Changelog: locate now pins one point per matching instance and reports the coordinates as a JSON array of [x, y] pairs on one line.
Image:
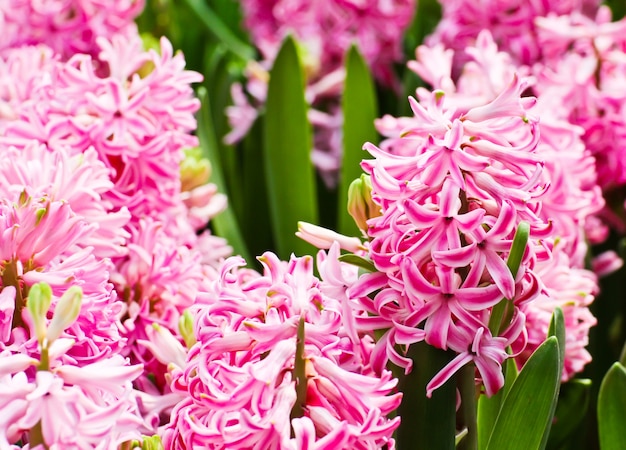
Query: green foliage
[[359, 106], [220, 30], [225, 224], [528, 408], [489, 407], [358, 261], [429, 422], [612, 409], [570, 412], [287, 145]]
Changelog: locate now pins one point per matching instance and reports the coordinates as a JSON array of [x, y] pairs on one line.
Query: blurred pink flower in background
[[324, 30], [66, 26], [511, 22]]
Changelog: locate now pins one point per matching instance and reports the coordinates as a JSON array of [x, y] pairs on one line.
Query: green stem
[[427, 423], [10, 277], [44, 360], [467, 388], [299, 370], [35, 436]]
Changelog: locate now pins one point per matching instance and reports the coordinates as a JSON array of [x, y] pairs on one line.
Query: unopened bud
[[66, 311], [185, 326], [322, 237], [360, 204], [195, 170], [38, 304], [151, 443]]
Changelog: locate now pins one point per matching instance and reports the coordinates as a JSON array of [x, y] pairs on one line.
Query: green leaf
[[359, 261], [427, 16], [556, 329], [612, 409], [570, 411], [253, 209], [360, 109], [527, 410], [427, 423], [225, 224], [489, 407], [215, 26], [287, 146]]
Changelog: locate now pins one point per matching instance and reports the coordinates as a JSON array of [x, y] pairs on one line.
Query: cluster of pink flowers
[[325, 30], [582, 72], [575, 52], [278, 364], [453, 183], [103, 208], [511, 22], [122, 315], [66, 26]]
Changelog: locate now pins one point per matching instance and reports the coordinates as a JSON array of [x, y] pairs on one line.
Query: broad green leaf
[[527, 410], [254, 209], [287, 146], [358, 261], [467, 414], [225, 224], [360, 109], [612, 409], [427, 423], [218, 81], [215, 26], [489, 407], [556, 329], [570, 411], [427, 16]]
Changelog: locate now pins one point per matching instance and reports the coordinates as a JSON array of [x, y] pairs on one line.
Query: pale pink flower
[[572, 289], [322, 237], [138, 125], [239, 381], [81, 180]]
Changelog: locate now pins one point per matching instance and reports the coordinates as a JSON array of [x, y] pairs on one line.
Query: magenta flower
[[453, 185]]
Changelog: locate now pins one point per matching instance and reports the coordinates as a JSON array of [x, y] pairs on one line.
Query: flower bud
[[195, 170], [38, 304], [65, 312], [360, 204], [185, 326], [322, 237], [151, 443]]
